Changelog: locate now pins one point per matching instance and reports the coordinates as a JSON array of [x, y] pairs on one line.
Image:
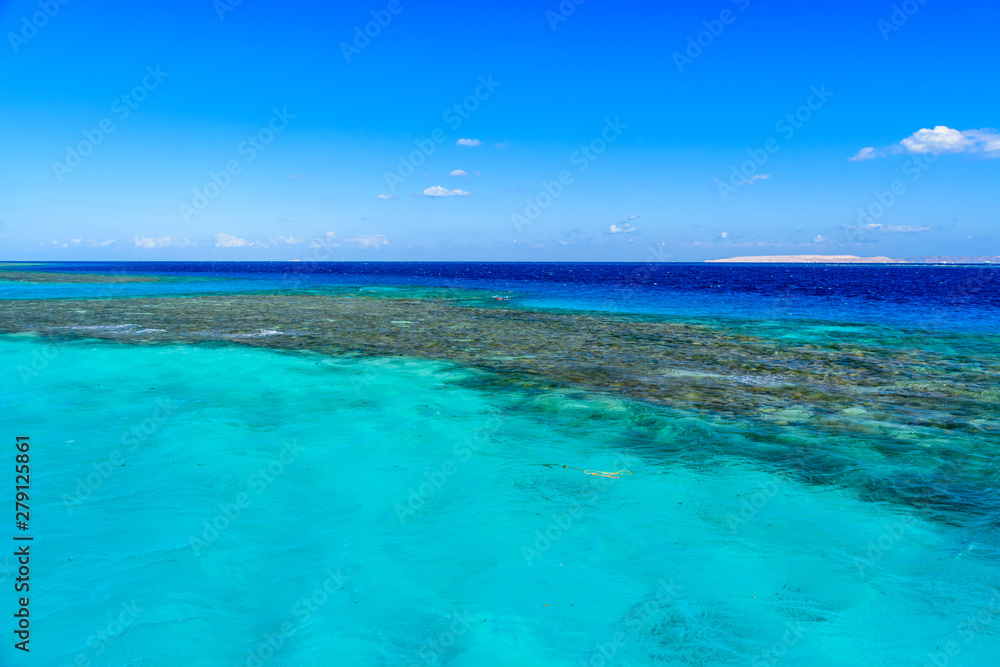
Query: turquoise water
[[220, 505]]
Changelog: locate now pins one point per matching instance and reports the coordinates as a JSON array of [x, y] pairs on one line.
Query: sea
[[809, 476]]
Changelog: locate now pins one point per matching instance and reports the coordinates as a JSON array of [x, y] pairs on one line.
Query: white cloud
[[361, 241], [385, 197], [327, 241], [902, 229], [461, 173], [942, 139], [107, 242], [633, 217], [820, 239], [892, 229], [625, 228], [75, 241], [438, 191], [724, 235], [368, 241], [987, 139], [147, 242], [756, 177], [230, 241], [469, 142], [866, 153]]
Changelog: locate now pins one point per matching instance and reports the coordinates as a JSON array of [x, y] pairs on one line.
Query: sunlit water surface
[[219, 505]]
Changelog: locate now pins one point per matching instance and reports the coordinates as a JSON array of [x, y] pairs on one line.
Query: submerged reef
[[916, 400], [720, 368], [55, 277]]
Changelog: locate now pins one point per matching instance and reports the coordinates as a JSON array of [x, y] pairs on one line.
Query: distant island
[[811, 259], [854, 259]]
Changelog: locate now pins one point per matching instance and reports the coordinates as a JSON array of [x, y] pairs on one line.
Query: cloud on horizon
[[438, 191], [163, 241], [942, 139], [469, 142], [624, 228], [367, 241], [230, 241], [893, 229]]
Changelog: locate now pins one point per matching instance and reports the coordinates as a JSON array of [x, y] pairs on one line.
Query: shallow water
[[446, 510], [255, 501]]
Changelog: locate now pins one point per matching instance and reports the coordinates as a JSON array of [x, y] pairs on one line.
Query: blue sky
[[534, 130]]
